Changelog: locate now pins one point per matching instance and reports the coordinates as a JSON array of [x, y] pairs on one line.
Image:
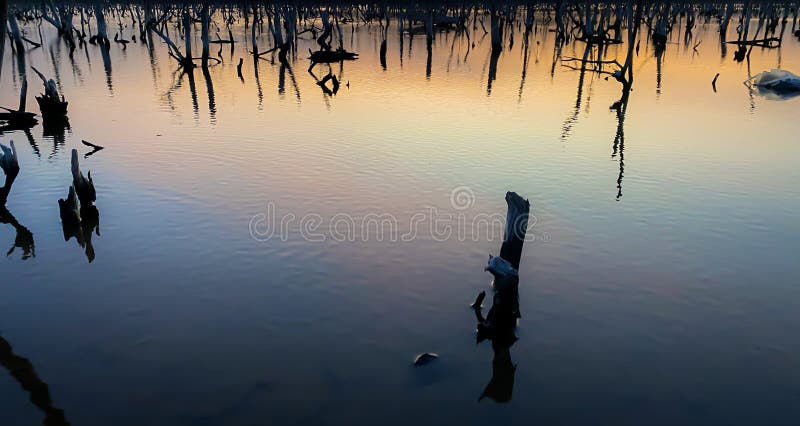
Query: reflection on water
[[671, 302], [21, 369], [23, 239]]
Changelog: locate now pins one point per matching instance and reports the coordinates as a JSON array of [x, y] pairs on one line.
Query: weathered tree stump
[[51, 104], [500, 323], [9, 163], [84, 187], [19, 119]]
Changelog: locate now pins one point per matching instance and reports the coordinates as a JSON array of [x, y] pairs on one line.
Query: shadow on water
[[22, 370]]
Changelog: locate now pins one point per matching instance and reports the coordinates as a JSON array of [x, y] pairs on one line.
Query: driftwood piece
[[425, 358]]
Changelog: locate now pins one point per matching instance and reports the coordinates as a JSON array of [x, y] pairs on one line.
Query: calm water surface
[[668, 296]]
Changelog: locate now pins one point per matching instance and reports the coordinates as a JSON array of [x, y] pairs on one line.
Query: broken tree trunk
[[51, 104], [10, 165], [516, 228], [500, 323], [502, 317], [84, 187]]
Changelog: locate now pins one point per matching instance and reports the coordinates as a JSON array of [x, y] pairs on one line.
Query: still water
[[660, 285]]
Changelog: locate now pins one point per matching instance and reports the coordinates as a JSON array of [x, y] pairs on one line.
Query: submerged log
[[331, 56], [769, 42]]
